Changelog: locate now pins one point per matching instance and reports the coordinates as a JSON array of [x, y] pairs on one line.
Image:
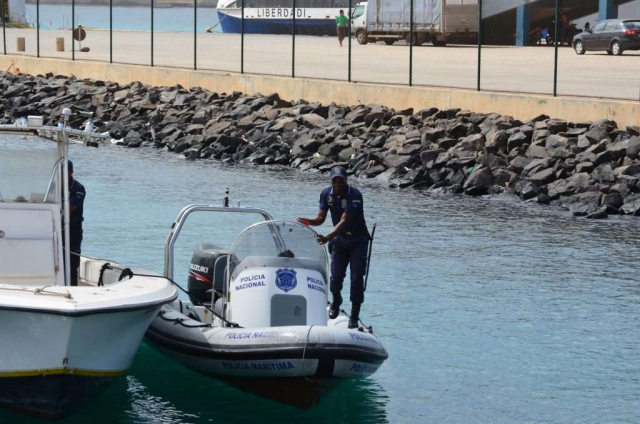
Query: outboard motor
[[206, 272]]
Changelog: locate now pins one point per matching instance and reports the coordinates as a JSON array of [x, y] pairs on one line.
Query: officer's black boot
[[355, 315], [334, 310]]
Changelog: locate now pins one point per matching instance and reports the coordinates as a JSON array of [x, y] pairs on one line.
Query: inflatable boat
[[257, 315]]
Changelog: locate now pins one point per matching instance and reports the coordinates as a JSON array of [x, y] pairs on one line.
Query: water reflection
[[162, 391]]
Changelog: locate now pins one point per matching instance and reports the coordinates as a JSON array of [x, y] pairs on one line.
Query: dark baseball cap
[[338, 171], [70, 165]]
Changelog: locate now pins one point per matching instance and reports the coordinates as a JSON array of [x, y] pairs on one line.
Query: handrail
[[176, 227]]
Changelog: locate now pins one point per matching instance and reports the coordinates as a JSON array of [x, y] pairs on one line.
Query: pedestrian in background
[[341, 24]]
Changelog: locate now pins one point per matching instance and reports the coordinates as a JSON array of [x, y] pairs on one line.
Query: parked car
[[613, 36]]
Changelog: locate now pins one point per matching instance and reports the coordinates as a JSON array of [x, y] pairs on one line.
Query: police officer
[[349, 240], [77, 194]]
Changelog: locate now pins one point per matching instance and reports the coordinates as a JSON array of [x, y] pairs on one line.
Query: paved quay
[[510, 69]]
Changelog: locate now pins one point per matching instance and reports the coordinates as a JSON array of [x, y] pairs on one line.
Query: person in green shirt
[[341, 23]]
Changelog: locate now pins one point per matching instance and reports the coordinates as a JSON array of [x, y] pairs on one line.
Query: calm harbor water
[[492, 310], [176, 19]]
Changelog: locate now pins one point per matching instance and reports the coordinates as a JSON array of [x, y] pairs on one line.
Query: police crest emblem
[[343, 202], [330, 200], [286, 279]]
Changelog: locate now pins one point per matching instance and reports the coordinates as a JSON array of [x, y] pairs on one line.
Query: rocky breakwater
[[592, 169]]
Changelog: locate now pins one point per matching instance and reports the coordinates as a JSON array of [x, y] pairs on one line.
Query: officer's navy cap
[[70, 165], [338, 171]]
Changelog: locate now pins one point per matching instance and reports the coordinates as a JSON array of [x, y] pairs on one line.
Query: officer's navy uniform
[[77, 194], [350, 247]]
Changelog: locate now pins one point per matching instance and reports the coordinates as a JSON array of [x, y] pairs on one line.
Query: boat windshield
[[278, 239], [26, 168]]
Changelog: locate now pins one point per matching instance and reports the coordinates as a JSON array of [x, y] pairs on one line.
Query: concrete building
[[509, 22], [15, 11]]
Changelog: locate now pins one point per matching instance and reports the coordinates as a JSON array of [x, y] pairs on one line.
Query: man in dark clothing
[[349, 240], [77, 194]]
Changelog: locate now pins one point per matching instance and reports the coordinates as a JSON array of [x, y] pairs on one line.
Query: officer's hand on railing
[[322, 239], [304, 221]]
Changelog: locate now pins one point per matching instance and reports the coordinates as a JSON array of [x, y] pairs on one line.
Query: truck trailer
[[437, 21]]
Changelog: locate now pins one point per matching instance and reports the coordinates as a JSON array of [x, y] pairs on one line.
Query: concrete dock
[[504, 69]]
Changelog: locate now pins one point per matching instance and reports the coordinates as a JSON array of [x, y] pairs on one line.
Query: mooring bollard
[[20, 44], [60, 44]]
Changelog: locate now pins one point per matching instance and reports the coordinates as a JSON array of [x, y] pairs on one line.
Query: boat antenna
[[225, 199], [64, 139]]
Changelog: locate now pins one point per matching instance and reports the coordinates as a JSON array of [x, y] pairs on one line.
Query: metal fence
[[523, 49]]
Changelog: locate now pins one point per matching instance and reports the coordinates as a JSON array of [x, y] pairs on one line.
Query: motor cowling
[[202, 272]]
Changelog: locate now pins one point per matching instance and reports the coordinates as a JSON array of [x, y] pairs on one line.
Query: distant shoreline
[[128, 3]]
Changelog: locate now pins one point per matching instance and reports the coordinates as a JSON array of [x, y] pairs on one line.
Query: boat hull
[[270, 362], [50, 396], [231, 24], [53, 364]]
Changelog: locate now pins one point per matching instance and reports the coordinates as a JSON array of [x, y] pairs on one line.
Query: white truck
[[437, 21]]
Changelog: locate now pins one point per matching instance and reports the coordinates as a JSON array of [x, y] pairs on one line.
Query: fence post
[[152, 33], [349, 32], [73, 24], [411, 44], [4, 29], [480, 29], [293, 46], [195, 34], [110, 31], [38, 28], [555, 62], [242, 39]]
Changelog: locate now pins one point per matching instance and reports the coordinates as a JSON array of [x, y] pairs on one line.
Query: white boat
[[257, 316], [313, 17], [61, 344]]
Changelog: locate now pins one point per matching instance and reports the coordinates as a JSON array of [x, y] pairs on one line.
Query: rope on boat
[[40, 290], [229, 323], [369, 328]]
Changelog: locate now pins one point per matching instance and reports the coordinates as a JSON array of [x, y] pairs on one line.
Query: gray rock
[[555, 141], [618, 149], [603, 173], [427, 156], [633, 147], [601, 213], [632, 170], [557, 125], [312, 119], [397, 161], [517, 140], [503, 176], [543, 177], [519, 163], [529, 191], [447, 143], [471, 143], [613, 201], [537, 152], [583, 204], [585, 167], [498, 141], [478, 182], [596, 134], [604, 157], [357, 115], [631, 205], [567, 186]]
